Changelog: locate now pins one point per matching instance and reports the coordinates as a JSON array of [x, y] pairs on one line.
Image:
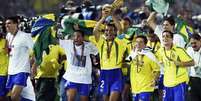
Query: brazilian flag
[[134, 31], [183, 29], [42, 31], [85, 25]]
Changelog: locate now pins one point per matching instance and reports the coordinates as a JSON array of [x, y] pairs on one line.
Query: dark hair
[[151, 31], [80, 31], [171, 34], [1, 35], [195, 36], [14, 19], [143, 37], [170, 19], [111, 25]]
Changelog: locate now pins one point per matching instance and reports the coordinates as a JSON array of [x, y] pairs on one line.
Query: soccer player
[[3, 67], [78, 74], [111, 51], [19, 46], [154, 44], [126, 23], [153, 41], [144, 70], [175, 61], [47, 72]]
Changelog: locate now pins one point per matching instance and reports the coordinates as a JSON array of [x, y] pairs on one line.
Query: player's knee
[[71, 98], [15, 97]]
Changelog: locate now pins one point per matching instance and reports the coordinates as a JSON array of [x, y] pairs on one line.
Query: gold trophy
[[110, 7], [117, 4]]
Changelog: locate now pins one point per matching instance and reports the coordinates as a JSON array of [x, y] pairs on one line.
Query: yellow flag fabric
[[50, 16]]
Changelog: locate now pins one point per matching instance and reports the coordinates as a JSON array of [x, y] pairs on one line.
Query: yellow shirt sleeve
[[183, 55]]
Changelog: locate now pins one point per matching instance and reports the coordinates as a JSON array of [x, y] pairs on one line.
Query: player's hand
[[33, 71], [106, 11]]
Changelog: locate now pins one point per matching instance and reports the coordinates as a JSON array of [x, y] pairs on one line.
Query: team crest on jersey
[[173, 56]]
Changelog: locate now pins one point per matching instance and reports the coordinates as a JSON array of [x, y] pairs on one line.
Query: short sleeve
[[29, 41], [93, 49], [183, 55], [155, 66]]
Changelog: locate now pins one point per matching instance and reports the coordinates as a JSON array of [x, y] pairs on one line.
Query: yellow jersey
[[155, 46], [142, 74], [50, 66], [126, 66], [3, 58], [174, 75], [114, 58]]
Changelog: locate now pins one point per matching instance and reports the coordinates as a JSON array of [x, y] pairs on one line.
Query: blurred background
[[36, 7], [29, 10]]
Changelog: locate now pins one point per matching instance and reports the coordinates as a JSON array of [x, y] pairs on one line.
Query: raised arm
[[97, 28], [106, 11], [151, 20], [117, 23]]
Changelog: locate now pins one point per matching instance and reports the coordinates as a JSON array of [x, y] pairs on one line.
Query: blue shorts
[[110, 80], [144, 96], [3, 90], [17, 79], [82, 89], [177, 93]]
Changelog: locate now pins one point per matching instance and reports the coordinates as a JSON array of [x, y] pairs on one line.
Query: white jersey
[[78, 71], [195, 71], [19, 46], [178, 40]]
